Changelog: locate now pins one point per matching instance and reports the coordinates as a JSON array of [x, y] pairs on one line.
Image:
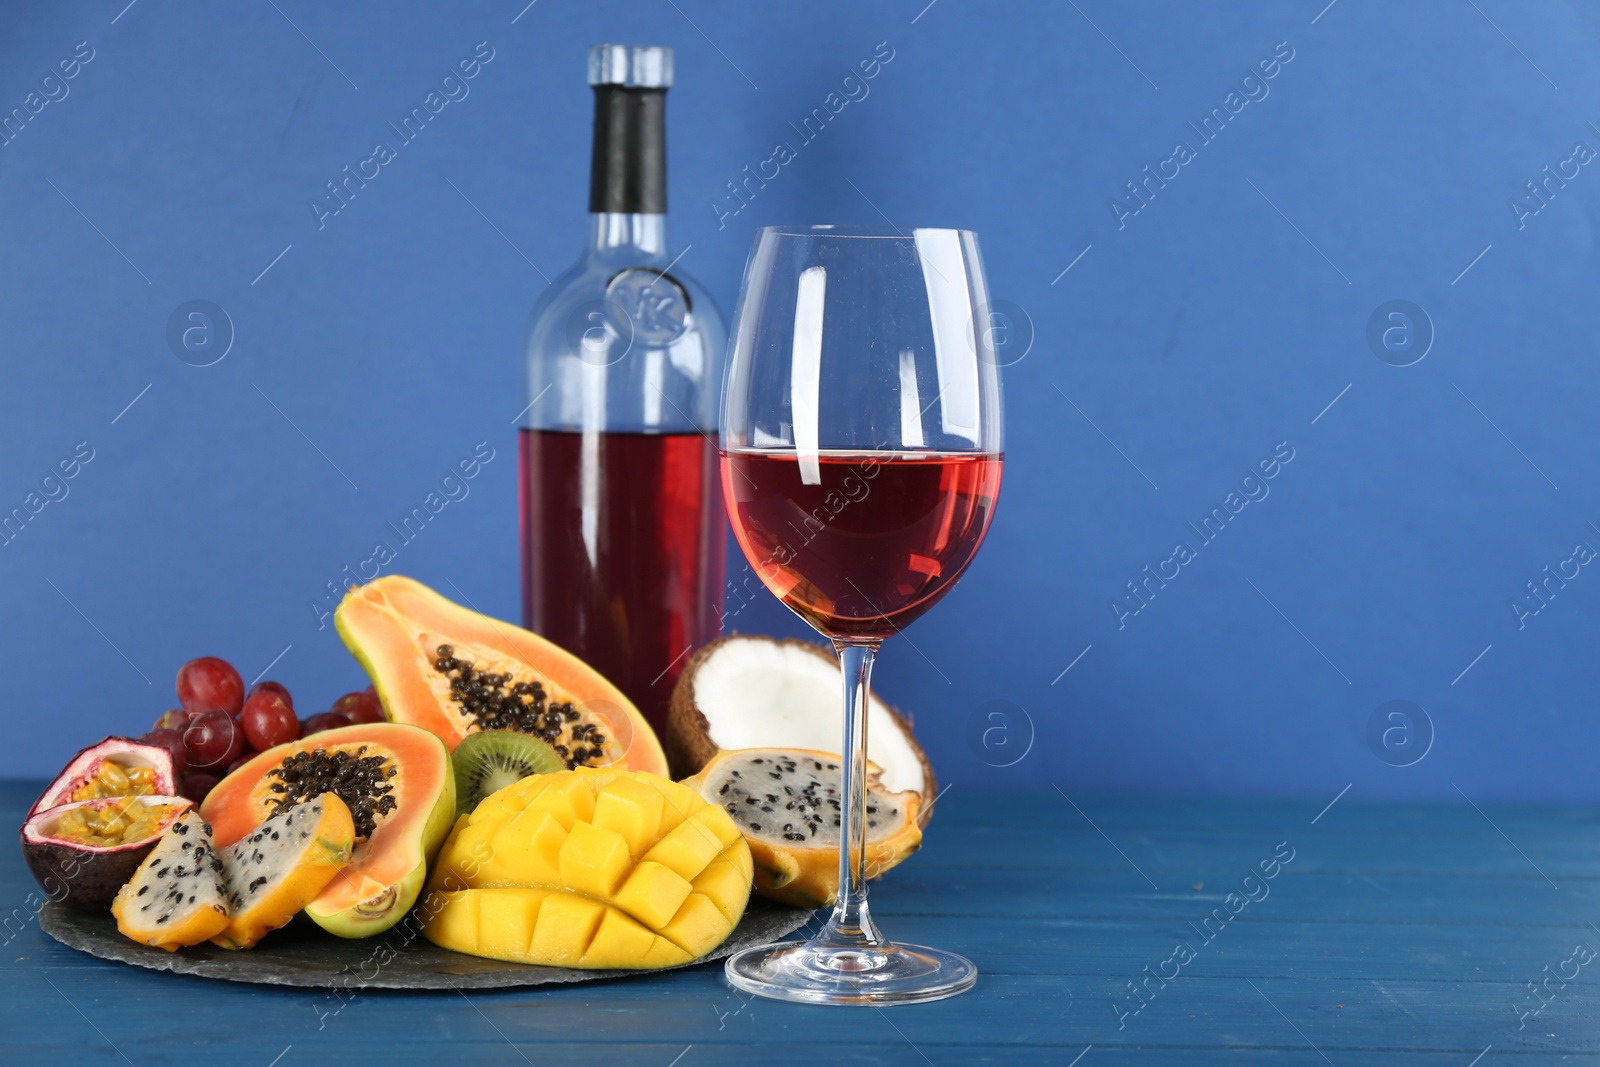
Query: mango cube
[[567, 923], [654, 894], [689, 847], [632, 809], [594, 860]]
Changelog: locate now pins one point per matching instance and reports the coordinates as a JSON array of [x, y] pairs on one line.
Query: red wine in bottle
[[640, 584]]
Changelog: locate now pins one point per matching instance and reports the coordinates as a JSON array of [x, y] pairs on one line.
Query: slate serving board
[[302, 954]]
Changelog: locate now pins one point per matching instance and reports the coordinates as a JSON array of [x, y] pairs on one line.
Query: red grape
[[271, 687], [359, 707], [241, 761], [196, 784], [268, 720], [210, 684], [172, 720], [213, 740], [172, 741], [327, 720]]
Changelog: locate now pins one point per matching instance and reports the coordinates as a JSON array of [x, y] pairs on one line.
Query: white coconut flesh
[[757, 693]]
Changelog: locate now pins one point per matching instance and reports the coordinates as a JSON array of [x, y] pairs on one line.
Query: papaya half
[[399, 785], [440, 666]]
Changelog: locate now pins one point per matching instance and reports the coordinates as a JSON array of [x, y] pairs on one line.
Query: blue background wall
[[1181, 347]]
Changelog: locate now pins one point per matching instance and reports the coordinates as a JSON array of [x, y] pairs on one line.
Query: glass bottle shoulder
[[624, 340]]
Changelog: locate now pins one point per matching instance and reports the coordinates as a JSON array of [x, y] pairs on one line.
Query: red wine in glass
[[623, 552], [872, 543]]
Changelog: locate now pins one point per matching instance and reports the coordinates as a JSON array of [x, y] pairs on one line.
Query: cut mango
[[590, 868], [631, 809]]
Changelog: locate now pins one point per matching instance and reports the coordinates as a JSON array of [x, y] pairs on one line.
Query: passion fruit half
[[82, 853], [114, 767]]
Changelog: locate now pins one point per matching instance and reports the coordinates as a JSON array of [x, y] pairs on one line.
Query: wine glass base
[[808, 973]]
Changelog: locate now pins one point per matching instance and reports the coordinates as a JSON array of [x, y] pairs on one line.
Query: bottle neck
[[645, 235], [628, 169]]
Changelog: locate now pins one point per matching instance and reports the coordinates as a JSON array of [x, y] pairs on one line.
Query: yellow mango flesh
[[590, 868]]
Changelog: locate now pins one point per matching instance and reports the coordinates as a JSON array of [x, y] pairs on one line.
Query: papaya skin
[[390, 905]]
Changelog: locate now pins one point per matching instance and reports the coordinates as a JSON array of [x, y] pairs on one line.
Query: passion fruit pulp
[[115, 821], [113, 767]]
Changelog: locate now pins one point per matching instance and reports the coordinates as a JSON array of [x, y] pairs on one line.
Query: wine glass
[[861, 458]]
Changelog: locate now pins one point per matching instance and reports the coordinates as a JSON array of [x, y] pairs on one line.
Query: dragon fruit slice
[[177, 896], [280, 867]]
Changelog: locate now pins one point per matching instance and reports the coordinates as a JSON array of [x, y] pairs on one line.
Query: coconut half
[[757, 692]]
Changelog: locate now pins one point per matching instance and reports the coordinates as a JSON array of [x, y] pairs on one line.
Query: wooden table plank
[[1433, 899], [1370, 849], [1351, 812], [1397, 934]]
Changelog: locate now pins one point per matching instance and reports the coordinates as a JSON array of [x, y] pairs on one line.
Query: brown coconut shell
[[688, 740]]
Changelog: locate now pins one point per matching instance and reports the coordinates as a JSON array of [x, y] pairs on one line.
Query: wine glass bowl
[[861, 460]]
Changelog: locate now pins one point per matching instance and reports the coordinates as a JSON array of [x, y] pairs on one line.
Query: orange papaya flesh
[[445, 668]]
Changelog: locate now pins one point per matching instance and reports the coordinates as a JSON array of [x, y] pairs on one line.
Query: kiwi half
[[489, 760]]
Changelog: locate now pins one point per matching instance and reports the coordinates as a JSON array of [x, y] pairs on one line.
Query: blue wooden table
[[1108, 931]]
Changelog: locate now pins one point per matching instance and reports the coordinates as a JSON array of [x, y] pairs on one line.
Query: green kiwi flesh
[[489, 760]]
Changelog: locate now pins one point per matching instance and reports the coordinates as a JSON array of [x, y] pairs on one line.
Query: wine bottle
[[623, 530]]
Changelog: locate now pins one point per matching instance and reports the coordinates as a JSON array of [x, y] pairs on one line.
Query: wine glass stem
[[850, 925]]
